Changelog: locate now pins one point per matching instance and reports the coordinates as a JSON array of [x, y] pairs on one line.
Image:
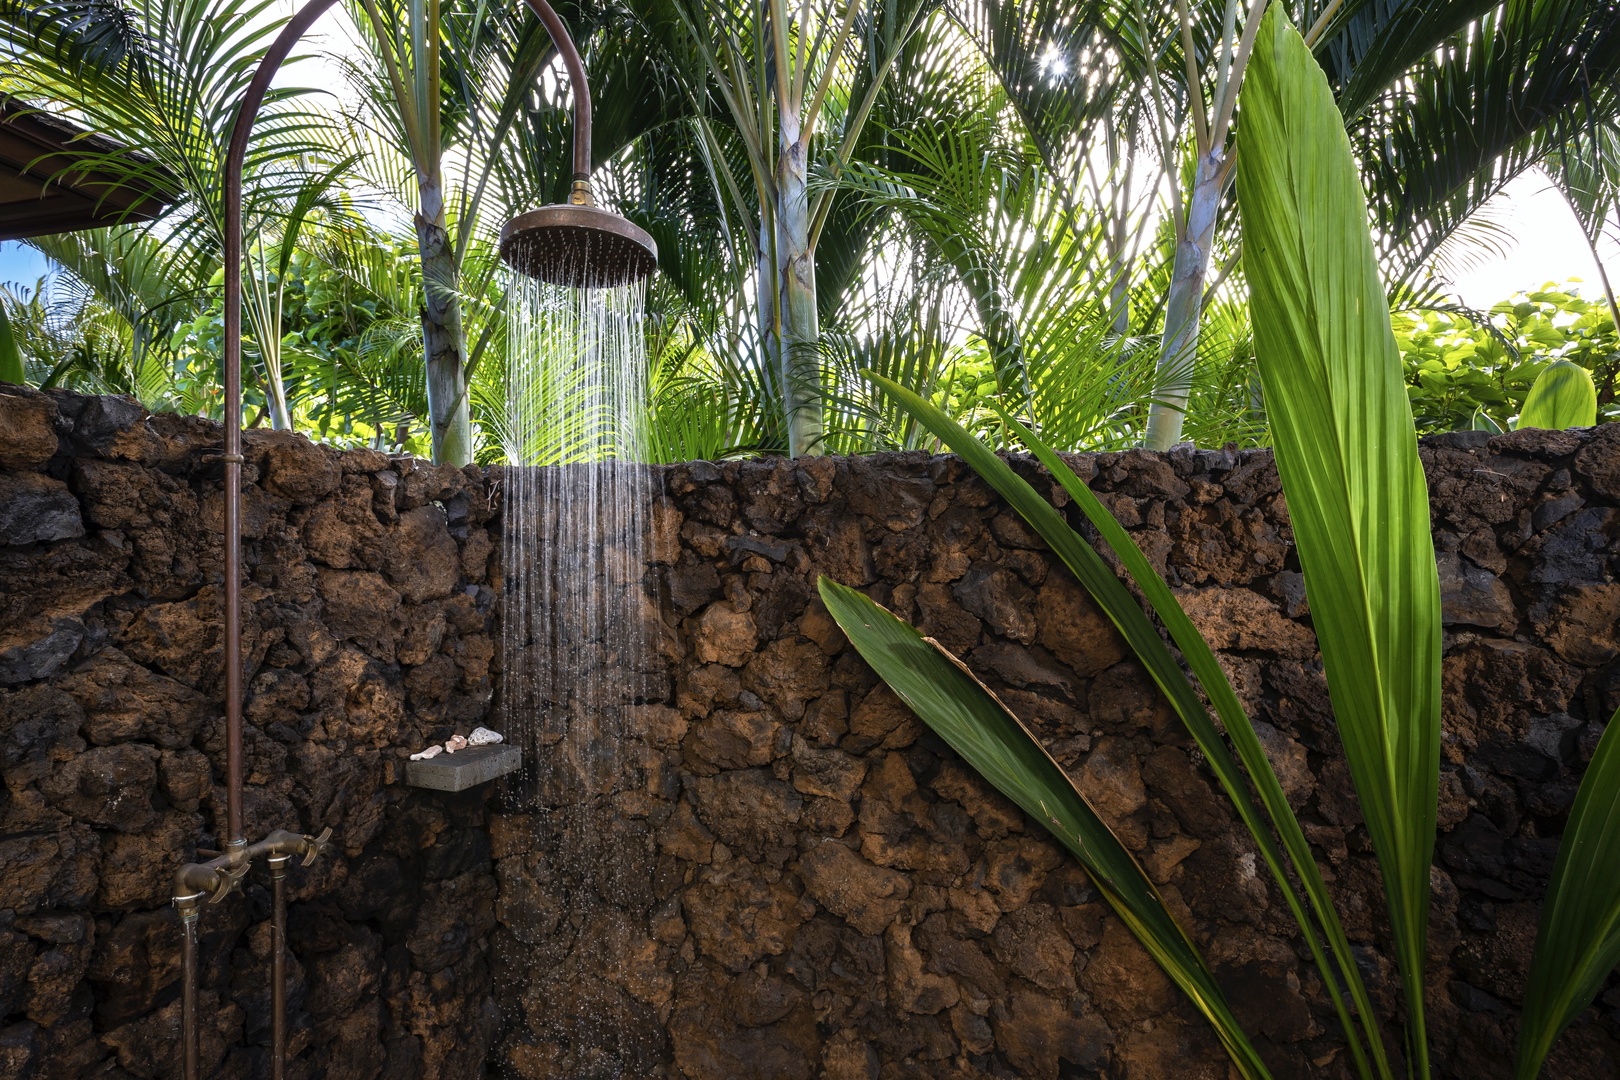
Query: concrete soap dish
[[464, 769]]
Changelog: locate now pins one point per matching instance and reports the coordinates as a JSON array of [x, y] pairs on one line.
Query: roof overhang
[[43, 192]]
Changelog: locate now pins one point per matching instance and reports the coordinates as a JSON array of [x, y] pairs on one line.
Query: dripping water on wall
[[577, 661]]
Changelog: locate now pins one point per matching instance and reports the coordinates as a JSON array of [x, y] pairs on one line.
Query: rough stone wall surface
[[367, 620], [827, 892], [833, 894]]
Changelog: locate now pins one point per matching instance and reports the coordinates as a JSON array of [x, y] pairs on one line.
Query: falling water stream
[[576, 661]]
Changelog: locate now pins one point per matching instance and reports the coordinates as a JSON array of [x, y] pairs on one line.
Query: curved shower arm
[[581, 193], [235, 161]]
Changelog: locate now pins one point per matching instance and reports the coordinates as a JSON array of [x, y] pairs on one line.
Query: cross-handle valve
[[315, 846], [227, 880], [219, 877]]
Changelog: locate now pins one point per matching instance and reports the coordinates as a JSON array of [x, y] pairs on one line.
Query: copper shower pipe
[[235, 159], [217, 878]]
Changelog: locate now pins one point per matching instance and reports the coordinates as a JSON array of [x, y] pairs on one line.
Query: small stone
[[28, 420], [867, 897], [296, 468], [1473, 596], [43, 655], [997, 596], [36, 509], [725, 635]]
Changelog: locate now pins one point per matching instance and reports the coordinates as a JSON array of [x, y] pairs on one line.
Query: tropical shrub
[[1474, 369]]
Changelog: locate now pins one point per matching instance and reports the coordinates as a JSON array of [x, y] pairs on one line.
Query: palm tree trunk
[[443, 343], [796, 289], [1119, 292], [1184, 305], [275, 396]]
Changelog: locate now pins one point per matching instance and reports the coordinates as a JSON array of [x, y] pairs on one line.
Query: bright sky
[[1549, 247], [1548, 244]]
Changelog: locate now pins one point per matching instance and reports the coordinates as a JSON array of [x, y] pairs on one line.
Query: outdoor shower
[[576, 244]]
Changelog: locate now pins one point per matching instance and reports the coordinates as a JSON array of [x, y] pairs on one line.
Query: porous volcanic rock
[[112, 748], [826, 890], [836, 895]]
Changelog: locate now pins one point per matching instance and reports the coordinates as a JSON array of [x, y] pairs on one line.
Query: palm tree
[[166, 78], [1445, 102], [1586, 169], [796, 86]]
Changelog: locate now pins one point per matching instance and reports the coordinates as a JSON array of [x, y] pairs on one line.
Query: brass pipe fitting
[[188, 905], [278, 964], [216, 879], [222, 875]]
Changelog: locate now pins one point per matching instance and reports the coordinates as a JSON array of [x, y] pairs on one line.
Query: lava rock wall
[[832, 893], [367, 620], [821, 888]]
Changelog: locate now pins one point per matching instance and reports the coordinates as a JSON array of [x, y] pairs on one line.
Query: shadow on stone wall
[[366, 627]]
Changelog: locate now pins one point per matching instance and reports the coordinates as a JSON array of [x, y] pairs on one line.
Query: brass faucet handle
[[315, 845], [228, 881]]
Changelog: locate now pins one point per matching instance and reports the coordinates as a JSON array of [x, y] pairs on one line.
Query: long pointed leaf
[[1579, 941], [1212, 677], [964, 712], [1347, 453], [1127, 615]]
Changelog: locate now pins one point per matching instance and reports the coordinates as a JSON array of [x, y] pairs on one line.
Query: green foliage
[[978, 726], [1347, 454], [1459, 364], [1563, 397], [1578, 944], [11, 363]]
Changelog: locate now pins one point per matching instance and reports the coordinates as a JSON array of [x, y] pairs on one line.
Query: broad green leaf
[[1562, 397], [1139, 632], [1347, 453], [968, 716], [11, 365], [1579, 940]]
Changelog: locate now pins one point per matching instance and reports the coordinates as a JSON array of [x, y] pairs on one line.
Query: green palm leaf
[[964, 712], [1563, 396], [11, 363], [1578, 944], [1347, 453], [1139, 632]]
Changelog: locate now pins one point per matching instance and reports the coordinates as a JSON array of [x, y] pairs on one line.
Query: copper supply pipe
[[216, 879], [235, 159], [188, 903], [278, 964]]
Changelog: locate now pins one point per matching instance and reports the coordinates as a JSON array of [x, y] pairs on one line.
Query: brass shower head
[[579, 246]]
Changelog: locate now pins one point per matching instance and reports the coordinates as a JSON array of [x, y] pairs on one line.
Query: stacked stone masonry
[[828, 891], [367, 620]]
